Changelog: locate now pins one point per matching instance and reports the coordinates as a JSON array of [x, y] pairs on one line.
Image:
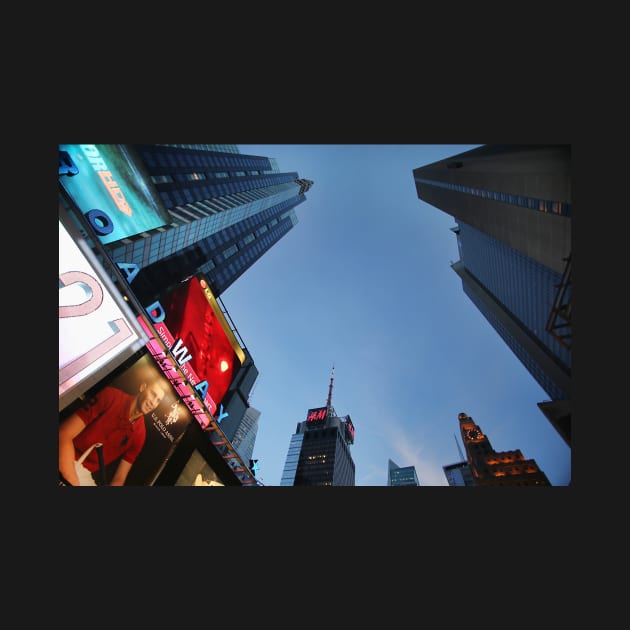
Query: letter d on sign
[[156, 312]]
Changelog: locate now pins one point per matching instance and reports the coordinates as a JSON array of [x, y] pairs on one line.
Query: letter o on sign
[[100, 221]]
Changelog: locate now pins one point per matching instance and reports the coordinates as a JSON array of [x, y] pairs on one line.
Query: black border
[[458, 530]]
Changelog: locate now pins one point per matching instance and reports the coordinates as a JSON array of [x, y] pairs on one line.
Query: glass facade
[[293, 457], [525, 290], [458, 474], [401, 475], [245, 435], [512, 207], [226, 210]]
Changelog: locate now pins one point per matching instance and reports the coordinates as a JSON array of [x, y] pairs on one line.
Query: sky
[[363, 283]]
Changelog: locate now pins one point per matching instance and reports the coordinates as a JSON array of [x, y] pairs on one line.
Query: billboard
[[138, 417], [109, 186], [190, 323], [198, 472], [97, 329], [317, 415]]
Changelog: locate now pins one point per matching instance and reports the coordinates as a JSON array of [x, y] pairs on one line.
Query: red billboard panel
[[190, 323]]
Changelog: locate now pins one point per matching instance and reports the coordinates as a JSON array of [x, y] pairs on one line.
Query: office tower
[[401, 476], [212, 211], [491, 468], [245, 435], [512, 208], [319, 451], [458, 474]]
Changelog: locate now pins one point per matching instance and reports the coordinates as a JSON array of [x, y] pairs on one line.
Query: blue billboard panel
[[109, 186]]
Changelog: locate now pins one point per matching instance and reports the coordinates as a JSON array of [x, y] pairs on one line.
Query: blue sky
[[363, 281]]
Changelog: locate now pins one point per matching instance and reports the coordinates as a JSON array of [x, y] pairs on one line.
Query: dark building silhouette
[[512, 207]]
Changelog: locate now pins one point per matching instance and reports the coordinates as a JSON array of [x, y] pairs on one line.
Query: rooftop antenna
[[330, 387], [459, 448]]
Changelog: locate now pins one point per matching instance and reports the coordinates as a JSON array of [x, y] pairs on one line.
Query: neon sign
[[178, 381], [316, 414]]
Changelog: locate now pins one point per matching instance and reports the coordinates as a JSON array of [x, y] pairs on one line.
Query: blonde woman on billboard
[[111, 418]]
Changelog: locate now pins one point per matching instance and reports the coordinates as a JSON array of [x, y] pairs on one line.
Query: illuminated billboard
[[190, 323], [316, 415], [349, 432], [97, 330], [138, 417], [111, 189]]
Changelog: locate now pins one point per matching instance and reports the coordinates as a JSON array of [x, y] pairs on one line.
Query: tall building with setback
[[221, 211], [491, 468], [512, 208], [319, 451], [401, 475]]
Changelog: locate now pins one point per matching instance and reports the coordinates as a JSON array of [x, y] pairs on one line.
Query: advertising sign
[[97, 330], [349, 430], [138, 417], [109, 186], [317, 414], [198, 472], [192, 326]]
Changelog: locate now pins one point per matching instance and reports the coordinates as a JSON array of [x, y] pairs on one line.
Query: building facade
[[492, 468], [244, 437], [319, 451], [458, 474], [221, 211], [401, 475], [512, 208]]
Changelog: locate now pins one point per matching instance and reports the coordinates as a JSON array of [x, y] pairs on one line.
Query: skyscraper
[[319, 451], [491, 468], [244, 437], [220, 211], [512, 207], [401, 476]]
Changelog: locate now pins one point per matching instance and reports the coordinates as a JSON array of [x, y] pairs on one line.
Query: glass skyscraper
[[225, 211], [401, 475], [512, 208]]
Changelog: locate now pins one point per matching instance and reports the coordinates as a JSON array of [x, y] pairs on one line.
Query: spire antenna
[[458, 448], [330, 387]]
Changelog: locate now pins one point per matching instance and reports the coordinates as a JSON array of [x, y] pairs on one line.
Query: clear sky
[[363, 282]]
